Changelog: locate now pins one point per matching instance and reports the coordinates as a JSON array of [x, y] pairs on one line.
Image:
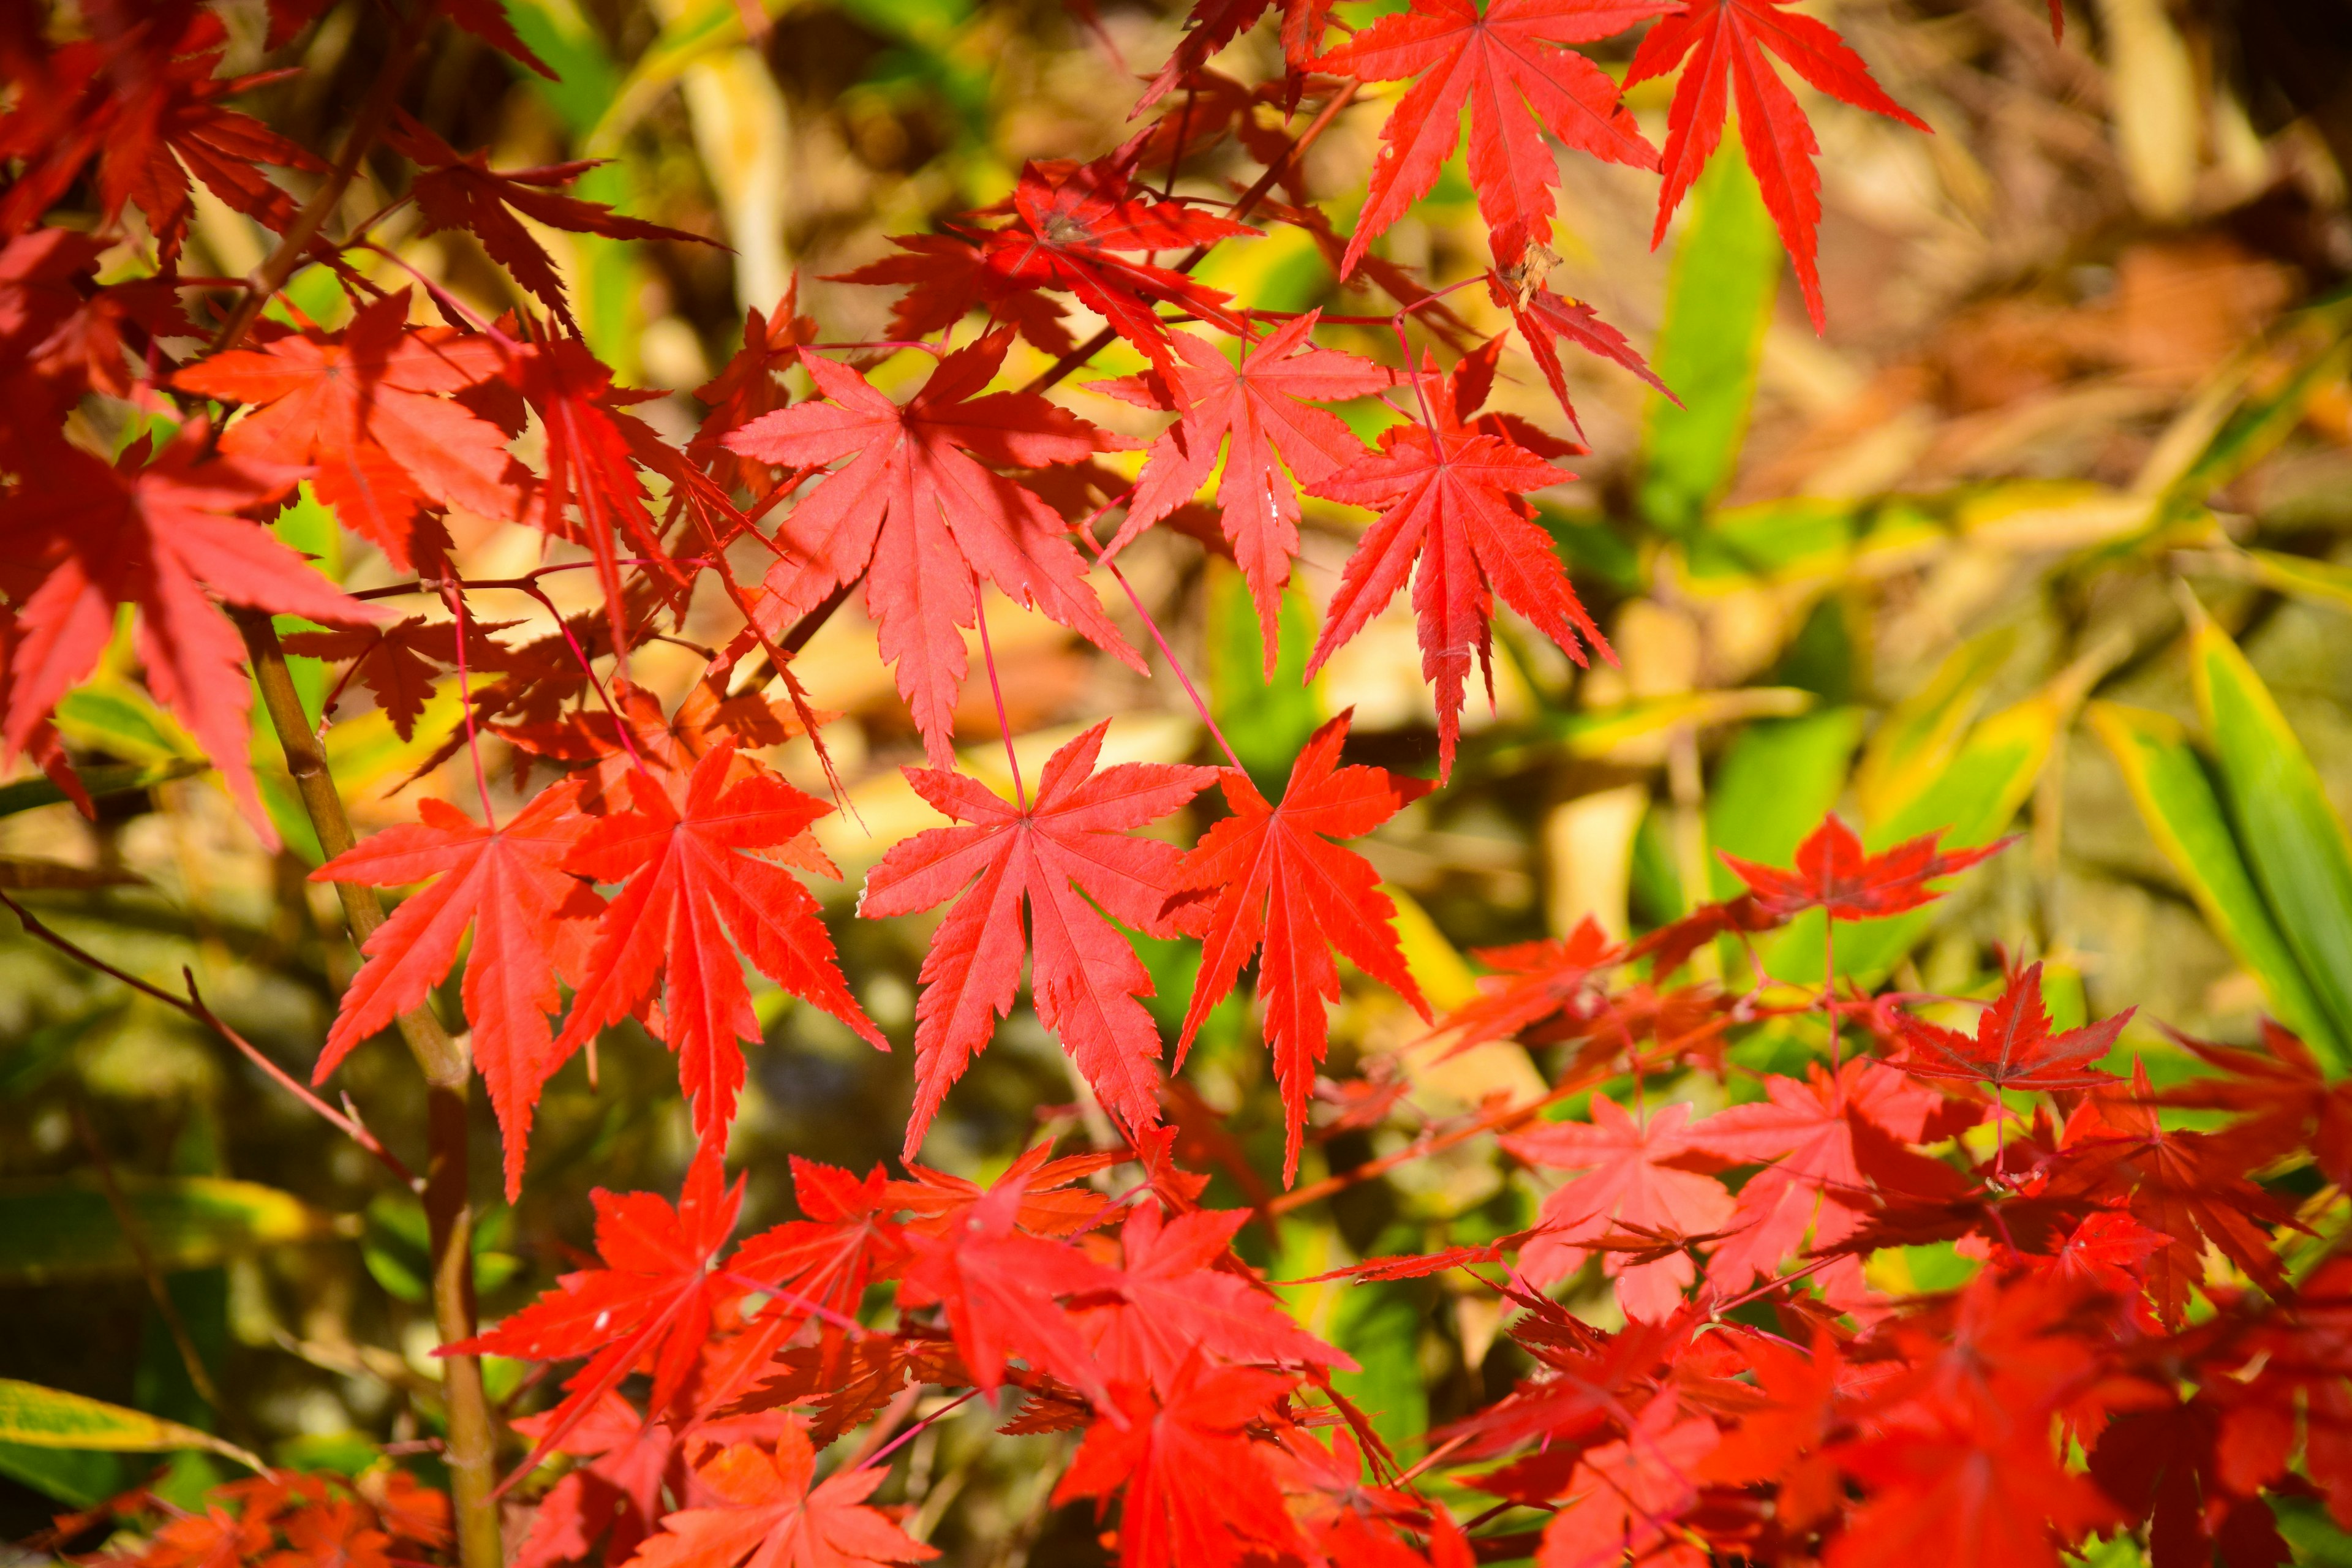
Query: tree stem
[[473, 1434]]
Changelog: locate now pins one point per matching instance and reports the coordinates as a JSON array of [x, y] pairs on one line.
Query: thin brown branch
[[375, 110], [193, 1005]]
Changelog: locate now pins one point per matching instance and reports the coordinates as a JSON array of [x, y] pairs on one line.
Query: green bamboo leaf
[[27, 795], [37, 1417], [2321, 582], [2183, 813], [2293, 836], [64, 1228], [1727, 271], [1919, 736]]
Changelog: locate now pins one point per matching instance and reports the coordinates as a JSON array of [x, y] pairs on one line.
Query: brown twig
[[383, 96], [193, 1005]]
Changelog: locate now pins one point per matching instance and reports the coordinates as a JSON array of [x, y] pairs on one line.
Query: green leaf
[[2321, 582], [1915, 741], [2293, 837], [37, 1417], [2176, 800], [27, 795], [1727, 270], [1267, 721], [63, 1228], [1379, 1325]]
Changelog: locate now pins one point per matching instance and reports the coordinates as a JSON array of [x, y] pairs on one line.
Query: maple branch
[[192, 1005], [375, 110], [449, 1073]]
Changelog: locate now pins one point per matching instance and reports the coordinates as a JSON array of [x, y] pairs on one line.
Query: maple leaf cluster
[[2144, 1341]]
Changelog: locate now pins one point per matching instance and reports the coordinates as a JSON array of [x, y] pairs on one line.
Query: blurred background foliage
[[2051, 532]]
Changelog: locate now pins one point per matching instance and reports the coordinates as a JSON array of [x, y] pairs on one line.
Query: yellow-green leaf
[[37, 1417], [2184, 815], [2293, 836], [64, 1228]]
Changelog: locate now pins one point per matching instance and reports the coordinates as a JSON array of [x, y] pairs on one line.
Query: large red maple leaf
[[769, 1507], [1198, 1491], [1271, 878], [922, 521], [1726, 41], [157, 535], [1633, 1189], [1832, 873], [2012, 1047], [1447, 494], [368, 409], [1507, 65], [650, 1304], [1051, 856], [1260, 415], [1182, 1294], [689, 887], [531, 921]]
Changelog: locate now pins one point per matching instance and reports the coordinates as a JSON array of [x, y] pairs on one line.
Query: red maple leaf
[[157, 535], [1258, 412], [1827, 1137], [2283, 1094], [140, 96], [650, 1304], [2190, 1186], [1448, 496], [1180, 1297], [1272, 878], [531, 921], [368, 409], [1633, 1184], [1539, 979], [748, 385], [998, 1286], [1070, 223], [402, 663], [1506, 64], [1625, 1497], [947, 278], [922, 521], [1051, 856], [1547, 319], [689, 887], [770, 1507], [1833, 874], [1953, 1491], [1213, 24], [2012, 1047], [458, 190], [593, 493], [1052, 1204], [1197, 1489], [1726, 40]]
